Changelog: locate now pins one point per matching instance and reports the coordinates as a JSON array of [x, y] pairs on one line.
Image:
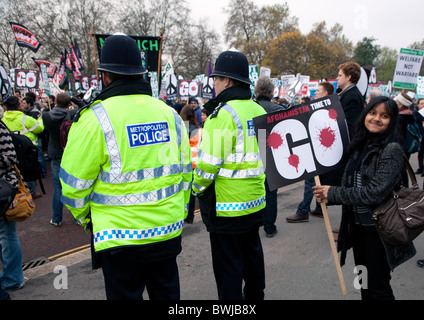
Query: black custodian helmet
[[120, 55], [233, 65]]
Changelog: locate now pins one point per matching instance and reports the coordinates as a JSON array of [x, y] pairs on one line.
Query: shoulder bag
[[400, 218], [23, 205]]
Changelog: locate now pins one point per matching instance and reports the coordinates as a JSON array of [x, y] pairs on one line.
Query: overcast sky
[[394, 23]]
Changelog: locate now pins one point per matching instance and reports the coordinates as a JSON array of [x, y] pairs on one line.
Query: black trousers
[[236, 258], [126, 279], [270, 215], [369, 251]]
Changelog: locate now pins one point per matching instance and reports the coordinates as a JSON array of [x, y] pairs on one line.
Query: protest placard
[[302, 142], [408, 68]]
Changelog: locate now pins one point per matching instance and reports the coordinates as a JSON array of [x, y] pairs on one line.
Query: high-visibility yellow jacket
[[229, 156], [16, 120], [127, 166]]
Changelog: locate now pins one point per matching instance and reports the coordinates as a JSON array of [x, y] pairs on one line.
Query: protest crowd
[[150, 156]]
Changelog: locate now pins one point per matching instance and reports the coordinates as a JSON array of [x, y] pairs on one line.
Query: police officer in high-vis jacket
[[229, 181], [127, 170]]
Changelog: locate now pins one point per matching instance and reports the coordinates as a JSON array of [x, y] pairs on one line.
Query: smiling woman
[[378, 119], [373, 171]]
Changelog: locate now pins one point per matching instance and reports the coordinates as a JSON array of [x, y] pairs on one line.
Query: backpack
[[413, 138], [27, 155], [27, 158], [64, 130]]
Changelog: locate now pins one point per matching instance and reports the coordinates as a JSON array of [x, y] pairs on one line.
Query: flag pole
[[332, 242], [159, 61], [94, 53]]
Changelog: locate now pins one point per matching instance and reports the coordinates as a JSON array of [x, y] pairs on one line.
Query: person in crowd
[[305, 99], [16, 120], [264, 91], [52, 101], [11, 277], [351, 98], [284, 103], [232, 218], [205, 115], [27, 105], [373, 171], [304, 208], [52, 121], [30, 109], [406, 117], [194, 104], [194, 133], [419, 118], [126, 173], [353, 103], [373, 94], [18, 94]]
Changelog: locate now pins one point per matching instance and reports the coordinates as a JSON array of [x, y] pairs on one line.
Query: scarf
[[231, 93], [121, 87]]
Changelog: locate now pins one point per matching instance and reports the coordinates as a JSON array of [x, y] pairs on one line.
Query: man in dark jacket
[[351, 98], [52, 121], [353, 103]]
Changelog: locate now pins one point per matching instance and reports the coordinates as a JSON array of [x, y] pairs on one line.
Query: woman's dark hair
[[188, 114], [363, 137]]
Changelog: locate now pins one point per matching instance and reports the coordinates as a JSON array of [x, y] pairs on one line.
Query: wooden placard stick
[[332, 242]]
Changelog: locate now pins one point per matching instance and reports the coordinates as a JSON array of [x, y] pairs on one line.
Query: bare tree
[[11, 55], [250, 28], [60, 22], [200, 45]]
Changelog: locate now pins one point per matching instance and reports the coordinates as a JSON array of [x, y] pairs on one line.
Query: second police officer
[[229, 180]]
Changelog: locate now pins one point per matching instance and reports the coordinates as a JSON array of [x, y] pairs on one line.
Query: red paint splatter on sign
[[294, 161], [332, 114], [274, 140], [327, 137]]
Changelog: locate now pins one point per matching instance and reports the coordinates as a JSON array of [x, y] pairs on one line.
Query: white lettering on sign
[[293, 157]]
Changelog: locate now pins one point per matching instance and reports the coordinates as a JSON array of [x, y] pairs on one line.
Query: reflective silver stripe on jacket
[[110, 138], [25, 129], [75, 203], [131, 234], [134, 199], [152, 173], [240, 132], [74, 182], [126, 200]]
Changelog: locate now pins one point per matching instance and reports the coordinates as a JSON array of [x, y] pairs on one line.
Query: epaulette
[[215, 112]]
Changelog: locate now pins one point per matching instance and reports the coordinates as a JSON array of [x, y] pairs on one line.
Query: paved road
[[299, 261]]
